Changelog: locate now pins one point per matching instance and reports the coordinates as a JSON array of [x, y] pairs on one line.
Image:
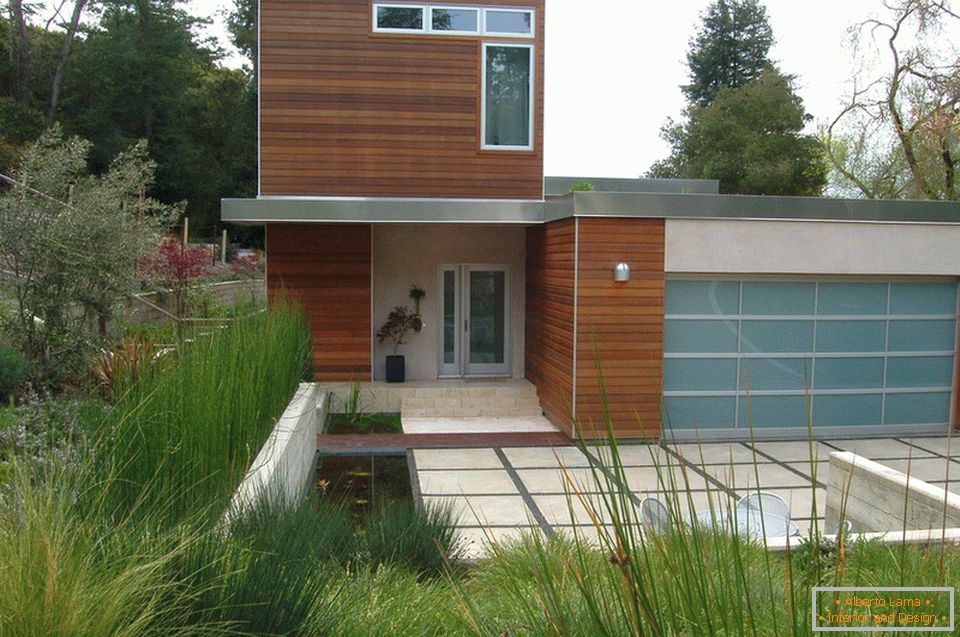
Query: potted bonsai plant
[[400, 322]]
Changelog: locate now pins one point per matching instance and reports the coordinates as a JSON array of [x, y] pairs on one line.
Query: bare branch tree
[[898, 136]]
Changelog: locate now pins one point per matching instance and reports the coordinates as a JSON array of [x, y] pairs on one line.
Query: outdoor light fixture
[[621, 272]]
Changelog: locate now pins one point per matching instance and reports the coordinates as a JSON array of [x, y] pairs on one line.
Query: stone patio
[[501, 491]]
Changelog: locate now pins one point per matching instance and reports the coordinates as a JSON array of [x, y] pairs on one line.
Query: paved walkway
[[498, 489]]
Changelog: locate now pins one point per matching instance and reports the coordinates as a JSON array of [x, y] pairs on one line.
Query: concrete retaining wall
[[224, 293], [285, 466], [876, 498]]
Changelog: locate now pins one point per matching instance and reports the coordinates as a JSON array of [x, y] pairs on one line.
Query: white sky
[[614, 67]]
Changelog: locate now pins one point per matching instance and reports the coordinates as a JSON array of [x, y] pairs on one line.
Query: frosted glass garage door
[[862, 353]]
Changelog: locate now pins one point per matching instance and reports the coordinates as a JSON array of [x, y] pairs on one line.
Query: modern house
[[401, 144]]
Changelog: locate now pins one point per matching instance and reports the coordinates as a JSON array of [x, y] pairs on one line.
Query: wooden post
[[186, 227], [223, 247]]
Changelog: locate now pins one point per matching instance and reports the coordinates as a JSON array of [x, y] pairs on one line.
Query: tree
[[242, 26], [743, 122], [20, 52], [898, 135], [71, 244], [730, 49], [72, 27], [750, 139]]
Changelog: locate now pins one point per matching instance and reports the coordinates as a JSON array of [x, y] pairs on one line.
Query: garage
[[779, 355]]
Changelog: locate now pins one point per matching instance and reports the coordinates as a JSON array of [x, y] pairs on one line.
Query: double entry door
[[475, 315]]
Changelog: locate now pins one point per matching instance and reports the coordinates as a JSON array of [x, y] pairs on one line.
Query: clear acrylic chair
[[763, 511], [654, 515]]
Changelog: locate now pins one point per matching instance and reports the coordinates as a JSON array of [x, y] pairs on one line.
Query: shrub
[[45, 431], [14, 370]]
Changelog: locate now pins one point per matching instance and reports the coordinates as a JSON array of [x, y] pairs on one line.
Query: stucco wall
[[411, 254], [811, 247]]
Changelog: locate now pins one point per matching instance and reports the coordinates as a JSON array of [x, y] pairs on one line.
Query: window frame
[[400, 5], [531, 86]]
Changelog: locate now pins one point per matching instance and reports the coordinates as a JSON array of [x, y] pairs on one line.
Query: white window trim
[[400, 5], [432, 8], [427, 12], [533, 23], [483, 97]]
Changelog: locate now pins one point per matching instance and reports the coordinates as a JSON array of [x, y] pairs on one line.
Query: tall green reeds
[[181, 436]]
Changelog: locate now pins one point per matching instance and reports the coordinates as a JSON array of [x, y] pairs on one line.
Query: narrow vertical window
[[507, 109]]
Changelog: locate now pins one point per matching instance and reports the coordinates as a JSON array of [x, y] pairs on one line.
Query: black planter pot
[[396, 369]]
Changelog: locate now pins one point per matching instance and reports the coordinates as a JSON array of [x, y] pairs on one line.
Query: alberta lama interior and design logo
[[887, 609]]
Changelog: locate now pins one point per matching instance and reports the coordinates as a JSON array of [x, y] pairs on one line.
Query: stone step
[[473, 412], [466, 404], [488, 392]]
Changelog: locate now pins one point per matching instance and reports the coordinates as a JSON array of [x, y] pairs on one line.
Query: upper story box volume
[[401, 99]]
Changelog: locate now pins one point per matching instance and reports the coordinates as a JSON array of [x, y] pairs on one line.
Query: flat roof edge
[[366, 210], [759, 207], [583, 204]]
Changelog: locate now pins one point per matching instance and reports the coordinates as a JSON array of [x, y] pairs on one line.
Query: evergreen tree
[[730, 49], [750, 138], [743, 124]]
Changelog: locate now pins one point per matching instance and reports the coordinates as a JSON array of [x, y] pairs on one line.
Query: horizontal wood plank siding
[[327, 268], [621, 325], [549, 317], [346, 111]]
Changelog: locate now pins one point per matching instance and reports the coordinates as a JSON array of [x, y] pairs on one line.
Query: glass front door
[[475, 339]]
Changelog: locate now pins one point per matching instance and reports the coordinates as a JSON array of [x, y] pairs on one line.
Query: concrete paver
[[545, 457], [879, 448], [456, 482], [938, 445], [456, 459], [556, 481], [474, 541], [794, 450], [714, 453], [479, 510], [822, 467], [635, 455], [744, 476]]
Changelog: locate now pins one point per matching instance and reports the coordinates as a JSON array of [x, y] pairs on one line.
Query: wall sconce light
[[621, 272]]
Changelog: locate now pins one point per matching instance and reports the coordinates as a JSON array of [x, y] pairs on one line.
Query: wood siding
[[327, 268], [625, 323], [549, 322], [345, 111]]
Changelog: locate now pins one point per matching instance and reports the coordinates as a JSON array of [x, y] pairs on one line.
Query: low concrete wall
[[225, 293], [922, 537], [285, 466], [876, 498]]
